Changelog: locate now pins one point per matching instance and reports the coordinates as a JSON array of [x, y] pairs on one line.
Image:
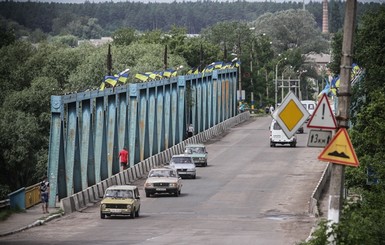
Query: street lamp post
[[282, 86], [299, 84], [251, 77], [238, 60], [240, 82], [276, 81], [239, 54], [251, 72]]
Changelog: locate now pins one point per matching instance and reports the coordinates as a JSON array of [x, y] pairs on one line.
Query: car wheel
[[132, 214], [137, 212], [205, 164], [176, 193], [102, 216], [194, 177], [147, 194]]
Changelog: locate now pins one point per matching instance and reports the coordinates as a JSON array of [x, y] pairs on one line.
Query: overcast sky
[[168, 1]]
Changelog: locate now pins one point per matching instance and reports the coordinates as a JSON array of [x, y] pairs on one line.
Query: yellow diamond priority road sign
[[291, 114]]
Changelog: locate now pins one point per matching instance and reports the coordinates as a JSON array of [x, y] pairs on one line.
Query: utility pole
[[343, 94], [201, 58], [165, 58], [240, 73], [251, 76], [109, 60]]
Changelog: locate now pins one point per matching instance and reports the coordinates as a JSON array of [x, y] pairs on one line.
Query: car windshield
[[119, 193], [276, 126], [178, 160], [198, 150], [162, 173]]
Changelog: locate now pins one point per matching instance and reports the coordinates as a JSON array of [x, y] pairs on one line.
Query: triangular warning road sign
[[340, 150], [322, 116]]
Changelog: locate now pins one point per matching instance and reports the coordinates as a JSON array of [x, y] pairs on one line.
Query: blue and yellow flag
[[335, 84], [142, 77], [153, 75], [111, 80], [102, 86], [227, 66], [209, 68], [218, 65], [237, 63], [123, 78], [169, 73]]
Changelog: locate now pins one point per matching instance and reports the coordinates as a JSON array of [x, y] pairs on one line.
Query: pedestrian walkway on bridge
[[27, 219]]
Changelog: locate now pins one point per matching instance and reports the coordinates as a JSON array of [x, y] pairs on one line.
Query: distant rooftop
[[97, 42], [317, 58]]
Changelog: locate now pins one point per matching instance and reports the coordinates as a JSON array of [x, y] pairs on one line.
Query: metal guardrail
[[32, 195], [5, 204], [23, 198]]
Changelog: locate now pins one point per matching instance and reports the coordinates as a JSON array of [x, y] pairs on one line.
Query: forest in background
[[94, 20], [46, 63]]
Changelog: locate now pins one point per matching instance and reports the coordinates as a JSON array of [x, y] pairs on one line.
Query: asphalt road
[[250, 193]]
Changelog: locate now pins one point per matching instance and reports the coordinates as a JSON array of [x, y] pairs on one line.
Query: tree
[[368, 180], [69, 40], [335, 17], [37, 36], [19, 141], [154, 37], [291, 29], [84, 27], [124, 36], [336, 47], [232, 37], [6, 37], [12, 64]]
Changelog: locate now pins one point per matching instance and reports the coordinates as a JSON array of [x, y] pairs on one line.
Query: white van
[[309, 105], [277, 136]]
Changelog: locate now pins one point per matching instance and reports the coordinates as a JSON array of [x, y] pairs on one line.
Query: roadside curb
[[36, 223]]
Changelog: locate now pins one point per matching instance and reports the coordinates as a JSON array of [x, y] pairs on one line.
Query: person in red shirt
[[123, 155]]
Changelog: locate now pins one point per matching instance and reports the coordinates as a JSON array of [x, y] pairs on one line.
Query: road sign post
[[319, 138], [290, 115]]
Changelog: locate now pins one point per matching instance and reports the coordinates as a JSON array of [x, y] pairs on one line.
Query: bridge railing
[[88, 129], [93, 194]]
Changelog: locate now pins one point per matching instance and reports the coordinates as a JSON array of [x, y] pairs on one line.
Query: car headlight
[[202, 158], [103, 206], [149, 185], [128, 206], [172, 184], [191, 169]]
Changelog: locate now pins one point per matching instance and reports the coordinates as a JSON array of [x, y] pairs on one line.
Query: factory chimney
[[325, 21]]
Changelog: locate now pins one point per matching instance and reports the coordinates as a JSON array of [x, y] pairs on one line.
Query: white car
[[277, 136], [184, 165], [309, 105], [198, 153], [163, 180]]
